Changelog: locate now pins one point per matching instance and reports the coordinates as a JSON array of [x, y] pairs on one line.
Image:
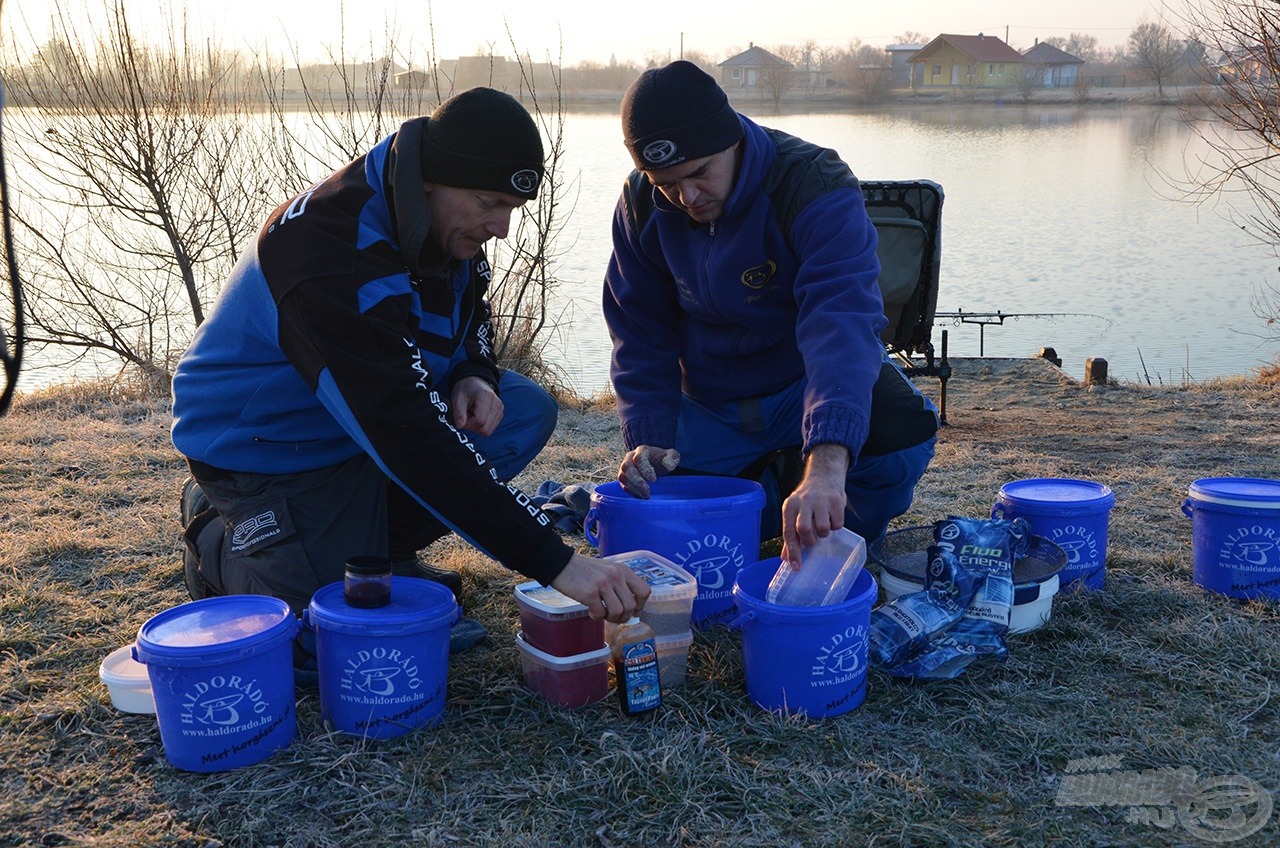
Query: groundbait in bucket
[[1073, 514], [1236, 535], [709, 526], [383, 670], [221, 674], [808, 660]]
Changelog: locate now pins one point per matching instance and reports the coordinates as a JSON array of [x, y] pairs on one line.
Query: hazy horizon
[[574, 31]]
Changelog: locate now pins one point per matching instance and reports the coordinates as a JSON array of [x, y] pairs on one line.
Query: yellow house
[[969, 60]]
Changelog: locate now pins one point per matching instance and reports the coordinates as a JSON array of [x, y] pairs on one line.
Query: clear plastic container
[[827, 571], [565, 681], [669, 609], [556, 623], [673, 658]]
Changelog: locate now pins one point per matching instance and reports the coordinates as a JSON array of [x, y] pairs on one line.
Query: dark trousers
[[287, 535]]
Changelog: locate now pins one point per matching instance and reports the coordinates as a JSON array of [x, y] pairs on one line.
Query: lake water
[[1047, 210]]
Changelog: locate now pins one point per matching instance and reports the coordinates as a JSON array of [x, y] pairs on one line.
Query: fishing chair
[[908, 218]]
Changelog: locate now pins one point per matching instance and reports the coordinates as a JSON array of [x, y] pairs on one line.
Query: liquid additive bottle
[[635, 666]]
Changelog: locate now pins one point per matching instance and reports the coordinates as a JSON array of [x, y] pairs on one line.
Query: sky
[[571, 31]]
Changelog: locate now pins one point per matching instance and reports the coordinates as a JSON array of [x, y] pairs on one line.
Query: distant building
[[903, 74], [978, 60], [498, 72], [752, 68], [1057, 68]]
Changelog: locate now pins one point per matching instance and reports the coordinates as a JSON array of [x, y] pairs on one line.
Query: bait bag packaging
[[963, 611]]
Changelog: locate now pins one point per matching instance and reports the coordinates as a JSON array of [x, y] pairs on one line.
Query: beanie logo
[[757, 277], [526, 181], [657, 152]]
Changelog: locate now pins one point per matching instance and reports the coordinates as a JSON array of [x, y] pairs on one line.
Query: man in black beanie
[[342, 398], [742, 301]]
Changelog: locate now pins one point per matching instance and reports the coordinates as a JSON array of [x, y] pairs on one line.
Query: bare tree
[[1244, 137], [1032, 80], [136, 189], [776, 79], [1156, 53], [1078, 44]]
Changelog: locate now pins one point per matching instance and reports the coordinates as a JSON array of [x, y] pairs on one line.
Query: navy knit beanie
[[483, 139], [675, 113]]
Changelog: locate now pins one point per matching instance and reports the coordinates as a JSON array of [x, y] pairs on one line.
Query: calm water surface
[[1046, 211]]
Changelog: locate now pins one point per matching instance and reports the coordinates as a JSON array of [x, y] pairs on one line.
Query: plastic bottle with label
[[635, 665]]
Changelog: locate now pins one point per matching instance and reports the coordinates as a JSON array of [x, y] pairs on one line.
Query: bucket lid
[[569, 663], [119, 668], [416, 605], [214, 630], [667, 580], [682, 495], [547, 600], [1057, 492], [1250, 492], [905, 553]]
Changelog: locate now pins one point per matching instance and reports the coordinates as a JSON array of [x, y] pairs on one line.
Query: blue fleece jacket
[[781, 286], [342, 329]]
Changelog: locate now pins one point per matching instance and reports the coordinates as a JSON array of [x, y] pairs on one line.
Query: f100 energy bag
[[963, 611]]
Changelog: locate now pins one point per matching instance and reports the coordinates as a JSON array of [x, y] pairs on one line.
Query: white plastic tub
[[127, 682]]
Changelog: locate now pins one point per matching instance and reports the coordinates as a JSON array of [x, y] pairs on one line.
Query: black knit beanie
[[483, 139], [675, 113]]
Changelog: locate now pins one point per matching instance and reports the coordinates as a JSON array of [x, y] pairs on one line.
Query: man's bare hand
[[475, 406], [608, 589], [817, 505], [645, 465]]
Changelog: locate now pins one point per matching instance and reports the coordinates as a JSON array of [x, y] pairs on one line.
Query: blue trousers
[[729, 437]]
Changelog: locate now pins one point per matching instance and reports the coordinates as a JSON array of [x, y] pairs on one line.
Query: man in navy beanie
[[342, 398], [742, 301]]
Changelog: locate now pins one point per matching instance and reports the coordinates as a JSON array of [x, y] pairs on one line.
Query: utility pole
[[682, 45]]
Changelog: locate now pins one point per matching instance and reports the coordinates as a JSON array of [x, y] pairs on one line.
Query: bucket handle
[[1187, 509], [737, 623], [997, 511], [587, 524], [306, 620]]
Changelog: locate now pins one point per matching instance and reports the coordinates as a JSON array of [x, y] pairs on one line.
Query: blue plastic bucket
[[221, 672], [809, 660], [1073, 514], [383, 671], [1235, 528], [709, 526]]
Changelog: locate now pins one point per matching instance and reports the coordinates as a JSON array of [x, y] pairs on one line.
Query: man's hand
[[643, 466], [475, 406], [608, 589], [817, 505]]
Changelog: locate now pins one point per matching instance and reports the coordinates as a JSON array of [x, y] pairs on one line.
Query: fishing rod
[[10, 356], [997, 318]]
